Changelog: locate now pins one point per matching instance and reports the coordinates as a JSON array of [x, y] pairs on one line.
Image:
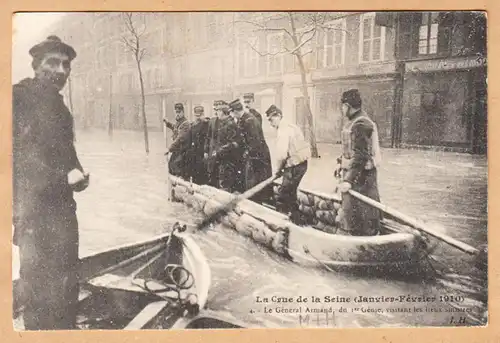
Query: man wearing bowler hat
[[256, 156], [181, 143], [46, 172], [292, 154]]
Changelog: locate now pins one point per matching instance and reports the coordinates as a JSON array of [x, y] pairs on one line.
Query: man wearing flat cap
[[46, 173], [179, 149], [359, 161], [198, 135], [256, 156], [291, 158]]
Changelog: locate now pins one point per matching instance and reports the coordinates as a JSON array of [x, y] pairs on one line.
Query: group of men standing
[[227, 151]]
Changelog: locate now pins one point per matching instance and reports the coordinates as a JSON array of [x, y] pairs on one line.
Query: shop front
[[444, 104]]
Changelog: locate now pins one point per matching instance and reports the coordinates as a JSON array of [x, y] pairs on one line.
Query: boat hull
[[124, 287], [396, 250]]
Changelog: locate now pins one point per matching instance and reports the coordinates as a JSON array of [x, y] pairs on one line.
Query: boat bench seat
[[125, 283]]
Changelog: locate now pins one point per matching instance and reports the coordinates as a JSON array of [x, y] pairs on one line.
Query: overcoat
[[44, 211], [257, 165], [179, 161]]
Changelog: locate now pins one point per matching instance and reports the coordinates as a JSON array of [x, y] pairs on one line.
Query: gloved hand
[[344, 187]]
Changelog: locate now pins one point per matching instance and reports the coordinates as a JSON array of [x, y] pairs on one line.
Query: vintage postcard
[[222, 170]]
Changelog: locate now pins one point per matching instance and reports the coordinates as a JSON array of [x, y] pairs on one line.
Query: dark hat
[[219, 103], [352, 98], [179, 106], [272, 110], [236, 105], [198, 109], [52, 44], [249, 96]]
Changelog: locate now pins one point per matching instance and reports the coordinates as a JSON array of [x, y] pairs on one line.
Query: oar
[[416, 224], [222, 210]]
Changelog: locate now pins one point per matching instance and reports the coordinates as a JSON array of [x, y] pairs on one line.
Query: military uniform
[[44, 210], [360, 157], [256, 156], [198, 135], [179, 160], [227, 154], [212, 144]]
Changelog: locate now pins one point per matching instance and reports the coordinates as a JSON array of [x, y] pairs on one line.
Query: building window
[[331, 45], [275, 58], [428, 34], [371, 40], [249, 57]]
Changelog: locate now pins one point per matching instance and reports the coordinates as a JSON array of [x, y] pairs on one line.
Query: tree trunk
[[307, 103], [305, 92], [143, 108]]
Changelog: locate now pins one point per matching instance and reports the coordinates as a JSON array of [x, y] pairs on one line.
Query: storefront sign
[[446, 64], [356, 70]]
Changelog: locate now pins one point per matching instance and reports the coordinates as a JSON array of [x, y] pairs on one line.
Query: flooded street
[[127, 201]]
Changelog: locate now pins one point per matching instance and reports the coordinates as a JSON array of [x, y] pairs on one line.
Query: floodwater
[[126, 201]]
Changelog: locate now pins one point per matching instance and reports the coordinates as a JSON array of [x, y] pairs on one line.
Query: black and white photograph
[[229, 170]]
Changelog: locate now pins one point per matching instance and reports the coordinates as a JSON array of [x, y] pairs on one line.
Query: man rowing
[[292, 154]]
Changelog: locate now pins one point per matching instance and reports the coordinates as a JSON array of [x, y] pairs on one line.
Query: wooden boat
[[145, 285], [397, 249]]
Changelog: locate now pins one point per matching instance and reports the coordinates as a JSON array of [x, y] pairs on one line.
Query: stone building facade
[[422, 75]]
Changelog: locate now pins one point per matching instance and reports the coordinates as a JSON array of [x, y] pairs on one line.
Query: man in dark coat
[[179, 149], [46, 172], [249, 102], [227, 154], [256, 156], [212, 144], [359, 161], [198, 133]]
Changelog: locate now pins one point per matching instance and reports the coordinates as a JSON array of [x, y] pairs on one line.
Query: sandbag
[[302, 199], [280, 241], [244, 225], [210, 207], [199, 201], [262, 234], [325, 205]]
